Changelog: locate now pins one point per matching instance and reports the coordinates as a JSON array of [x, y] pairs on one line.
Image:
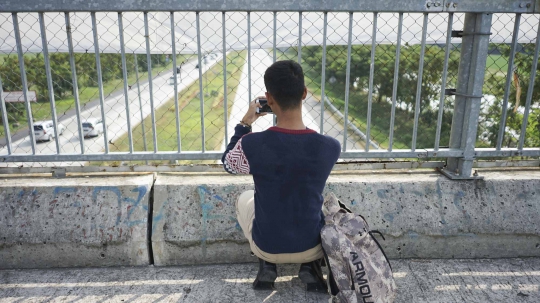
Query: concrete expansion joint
[[149, 221]]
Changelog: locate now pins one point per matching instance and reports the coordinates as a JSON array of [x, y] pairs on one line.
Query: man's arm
[[234, 160]]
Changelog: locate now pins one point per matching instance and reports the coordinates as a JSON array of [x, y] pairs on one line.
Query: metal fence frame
[[474, 50], [464, 6]]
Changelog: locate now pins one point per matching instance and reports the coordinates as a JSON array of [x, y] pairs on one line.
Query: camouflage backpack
[[358, 268]]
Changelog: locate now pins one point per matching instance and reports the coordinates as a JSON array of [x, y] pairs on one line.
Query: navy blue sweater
[[290, 169]]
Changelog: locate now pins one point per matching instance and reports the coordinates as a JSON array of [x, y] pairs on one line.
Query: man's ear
[[270, 99], [272, 102], [304, 94]]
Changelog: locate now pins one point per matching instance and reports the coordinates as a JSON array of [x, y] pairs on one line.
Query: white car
[[93, 127], [44, 130]]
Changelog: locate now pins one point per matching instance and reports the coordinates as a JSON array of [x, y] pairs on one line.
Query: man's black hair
[[284, 80]]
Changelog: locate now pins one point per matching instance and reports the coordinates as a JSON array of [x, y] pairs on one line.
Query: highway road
[[115, 116], [116, 119]]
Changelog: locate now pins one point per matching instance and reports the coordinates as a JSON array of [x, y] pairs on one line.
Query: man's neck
[[291, 119]]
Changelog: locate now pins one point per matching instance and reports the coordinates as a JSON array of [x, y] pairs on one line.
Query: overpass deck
[[421, 280]]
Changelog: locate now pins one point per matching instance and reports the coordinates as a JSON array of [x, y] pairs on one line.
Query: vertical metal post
[[530, 91], [395, 84], [5, 121], [75, 85], [225, 104], [509, 76], [347, 80], [443, 82], [140, 103], [100, 82], [371, 72], [150, 85], [20, 56], [249, 55], [299, 37], [471, 72], [201, 95], [177, 108], [274, 119], [124, 74], [323, 72], [275, 30], [419, 83], [49, 79]]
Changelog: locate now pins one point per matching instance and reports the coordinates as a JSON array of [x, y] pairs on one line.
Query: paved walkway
[[260, 61], [500, 280]]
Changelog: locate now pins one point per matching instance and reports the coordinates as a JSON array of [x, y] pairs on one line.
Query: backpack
[[359, 270]]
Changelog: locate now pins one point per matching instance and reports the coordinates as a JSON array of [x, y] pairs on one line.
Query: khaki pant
[[245, 213]]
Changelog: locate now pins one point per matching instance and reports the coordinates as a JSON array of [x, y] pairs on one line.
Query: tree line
[[85, 64], [336, 63]]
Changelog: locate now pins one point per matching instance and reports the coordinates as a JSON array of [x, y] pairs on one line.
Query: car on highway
[[93, 127], [44, 130], [171, 80]]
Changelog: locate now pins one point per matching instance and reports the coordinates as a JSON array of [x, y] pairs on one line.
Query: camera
[[265, 108]]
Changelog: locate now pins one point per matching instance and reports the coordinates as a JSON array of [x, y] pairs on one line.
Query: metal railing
[[362, 59]]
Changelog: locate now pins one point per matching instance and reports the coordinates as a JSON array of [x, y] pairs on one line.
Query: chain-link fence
[[160, 86]]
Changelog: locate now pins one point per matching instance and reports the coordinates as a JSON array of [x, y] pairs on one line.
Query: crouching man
[[290, 163]]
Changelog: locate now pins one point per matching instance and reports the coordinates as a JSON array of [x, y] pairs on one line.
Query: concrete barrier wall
[[94, 221], [429, 216], [102, 220], [422, 215], [194, 219]]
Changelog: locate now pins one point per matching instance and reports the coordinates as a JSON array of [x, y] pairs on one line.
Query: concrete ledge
[[429, 216], [422, 215], [194, 219], [102, 220], [76, 221]]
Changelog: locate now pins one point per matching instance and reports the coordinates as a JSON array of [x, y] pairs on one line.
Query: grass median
[[190, 115], [357, 115]]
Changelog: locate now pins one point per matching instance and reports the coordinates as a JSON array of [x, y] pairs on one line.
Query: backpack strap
[[330, 205]]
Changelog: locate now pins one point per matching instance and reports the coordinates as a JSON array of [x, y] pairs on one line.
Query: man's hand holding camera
[[252, 115]]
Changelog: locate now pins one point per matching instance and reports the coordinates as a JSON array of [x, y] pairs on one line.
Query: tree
[[383, 86], [336, 62], [11, 81], [495, 85]]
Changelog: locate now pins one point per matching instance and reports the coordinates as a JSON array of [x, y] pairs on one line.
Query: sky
[[236, 28]]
